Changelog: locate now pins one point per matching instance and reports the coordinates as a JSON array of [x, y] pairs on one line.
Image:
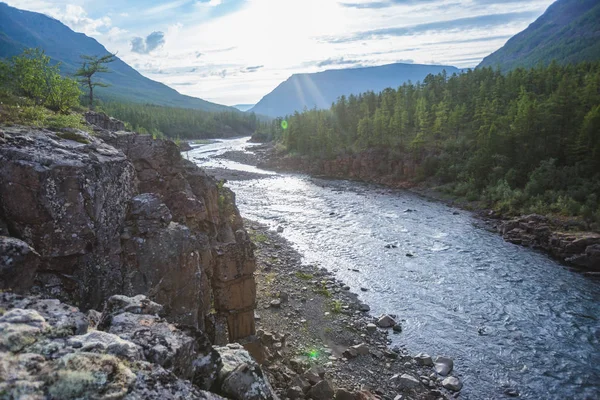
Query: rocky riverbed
[[320, 339]]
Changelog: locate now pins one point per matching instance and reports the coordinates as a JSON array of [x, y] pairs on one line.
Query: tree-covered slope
[[23, 29], [568, 32], [323, 88]]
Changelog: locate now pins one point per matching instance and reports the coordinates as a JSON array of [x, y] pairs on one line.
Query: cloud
[[152, 42], [337, 61], [253, 68], [383, 4], [76, 18], [462, 24]]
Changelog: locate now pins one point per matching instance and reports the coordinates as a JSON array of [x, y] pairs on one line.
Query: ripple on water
[[510, 317]]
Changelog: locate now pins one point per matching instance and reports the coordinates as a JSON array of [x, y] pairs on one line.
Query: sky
[[236, 51]]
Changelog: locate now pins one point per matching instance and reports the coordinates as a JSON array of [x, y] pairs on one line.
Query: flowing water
[[510, 317]]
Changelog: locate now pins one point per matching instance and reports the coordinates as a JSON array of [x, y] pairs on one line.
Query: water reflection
[[510, 317]]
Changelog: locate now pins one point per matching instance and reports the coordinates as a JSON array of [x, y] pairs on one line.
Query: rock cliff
[[90, 216], [120, 222]]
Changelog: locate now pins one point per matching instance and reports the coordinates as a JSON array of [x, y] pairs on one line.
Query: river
[[511, 318]]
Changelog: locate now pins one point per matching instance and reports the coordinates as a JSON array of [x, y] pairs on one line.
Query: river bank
[[307, 318], [564, 239]]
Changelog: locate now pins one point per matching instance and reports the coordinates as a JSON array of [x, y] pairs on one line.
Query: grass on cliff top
[[22, 111]]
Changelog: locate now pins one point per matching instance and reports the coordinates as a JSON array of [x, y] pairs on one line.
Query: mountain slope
[[323, 88], [22, 29], [568, 32]]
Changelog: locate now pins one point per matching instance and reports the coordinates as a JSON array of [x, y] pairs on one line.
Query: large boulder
[[240, 377]]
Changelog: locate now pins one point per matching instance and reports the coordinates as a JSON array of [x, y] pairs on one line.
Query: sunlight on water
[[508, 316]]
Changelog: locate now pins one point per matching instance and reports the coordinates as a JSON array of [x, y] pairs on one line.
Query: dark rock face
[[47, 352], [68, 201], [18, 264], [125, 214], [581, 249]]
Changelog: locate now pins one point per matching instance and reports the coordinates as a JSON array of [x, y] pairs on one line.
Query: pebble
[[275, 303], [371, 327]]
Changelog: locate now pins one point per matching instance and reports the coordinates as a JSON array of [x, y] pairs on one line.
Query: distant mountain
[[22, 29], [243, 107], [323, 88], [568, 32]]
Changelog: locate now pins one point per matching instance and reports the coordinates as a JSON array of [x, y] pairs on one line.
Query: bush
[[31, 75]]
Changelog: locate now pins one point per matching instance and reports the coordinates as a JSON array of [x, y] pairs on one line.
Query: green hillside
[[23, 29], [568, 32]]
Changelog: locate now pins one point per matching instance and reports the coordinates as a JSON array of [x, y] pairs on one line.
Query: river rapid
[[511, 318]]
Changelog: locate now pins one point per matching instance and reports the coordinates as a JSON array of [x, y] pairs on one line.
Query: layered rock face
[[121, 213], [578, 248]]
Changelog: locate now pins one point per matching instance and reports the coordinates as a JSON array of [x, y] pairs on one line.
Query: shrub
[[31, 75]]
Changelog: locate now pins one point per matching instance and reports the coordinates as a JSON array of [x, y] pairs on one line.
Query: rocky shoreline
[[321, 340], [566, 241]]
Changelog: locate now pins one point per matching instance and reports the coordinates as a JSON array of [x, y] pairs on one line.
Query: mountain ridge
[[568, 32], [320, 89], [20, 29]]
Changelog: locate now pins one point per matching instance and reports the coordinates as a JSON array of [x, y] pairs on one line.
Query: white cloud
[[285, 37]]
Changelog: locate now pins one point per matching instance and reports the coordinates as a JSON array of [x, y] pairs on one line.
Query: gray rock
[[397, 328], [371, 327], [301, 383], [240, 377], [364, 307], [361, 349], [443, 365], [452, 383], [275, 303], [106, 343], [424, 359], [344, 394], [295, 392], [385, 321], [20, 328], [322, 391], [406, 381]]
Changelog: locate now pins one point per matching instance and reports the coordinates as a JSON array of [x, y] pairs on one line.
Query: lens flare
[[284, 124]]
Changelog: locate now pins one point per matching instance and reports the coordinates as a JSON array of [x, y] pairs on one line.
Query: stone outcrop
[[47, 351], [121, 213], [578, 248], [103, 121]]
